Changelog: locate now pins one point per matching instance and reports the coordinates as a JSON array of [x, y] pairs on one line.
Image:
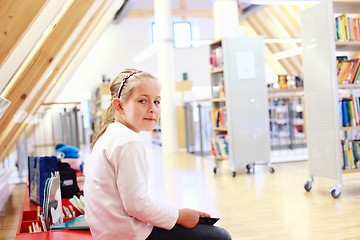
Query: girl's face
[[141, 110]]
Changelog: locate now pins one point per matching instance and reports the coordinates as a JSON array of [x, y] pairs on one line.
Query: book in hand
[[208, 220]]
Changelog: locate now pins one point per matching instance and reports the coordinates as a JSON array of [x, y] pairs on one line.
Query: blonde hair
[[126, 90]]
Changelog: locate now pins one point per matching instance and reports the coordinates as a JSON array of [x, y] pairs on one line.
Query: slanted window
[[182, 34]]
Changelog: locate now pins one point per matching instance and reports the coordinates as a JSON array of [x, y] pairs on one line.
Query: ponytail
[[109, 118]]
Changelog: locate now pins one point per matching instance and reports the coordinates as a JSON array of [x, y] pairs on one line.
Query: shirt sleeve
[[131, 168]]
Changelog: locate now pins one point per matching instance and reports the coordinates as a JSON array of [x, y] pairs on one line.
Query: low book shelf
[[29, 216]]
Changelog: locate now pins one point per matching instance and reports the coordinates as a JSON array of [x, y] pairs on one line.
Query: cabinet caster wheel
[[234, 174], [248, 168], [271, 169], [215, 170], [335, 192], [308, 185]]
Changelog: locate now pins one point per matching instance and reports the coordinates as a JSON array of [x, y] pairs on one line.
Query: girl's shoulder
[[118, 130], [117, 137]]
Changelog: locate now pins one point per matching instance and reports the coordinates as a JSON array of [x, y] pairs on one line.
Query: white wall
[[116, 48]]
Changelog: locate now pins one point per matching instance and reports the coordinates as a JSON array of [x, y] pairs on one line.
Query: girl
[[116, 195]]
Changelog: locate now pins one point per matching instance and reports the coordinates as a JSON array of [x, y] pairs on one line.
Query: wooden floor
[[251, 206], [10, 216]]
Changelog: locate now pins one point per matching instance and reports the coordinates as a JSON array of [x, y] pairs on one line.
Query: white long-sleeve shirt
[[117, 203]]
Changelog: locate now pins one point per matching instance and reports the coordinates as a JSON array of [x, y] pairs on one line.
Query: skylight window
[[182, 34]]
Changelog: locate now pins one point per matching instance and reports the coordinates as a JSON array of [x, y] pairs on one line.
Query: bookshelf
[[100, 101], [240, 120], [286, 117], [323, 121]]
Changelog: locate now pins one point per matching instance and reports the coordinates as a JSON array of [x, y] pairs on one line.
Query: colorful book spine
[[350, 153], [344, 111], [219, 117], [354, 70], [219, 145], [356, 110], [347, 27], [348, 71], [351, 113], [216, 58]]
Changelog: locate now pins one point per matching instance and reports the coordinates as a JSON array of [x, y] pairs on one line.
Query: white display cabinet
[[321, 89], [240, 102]]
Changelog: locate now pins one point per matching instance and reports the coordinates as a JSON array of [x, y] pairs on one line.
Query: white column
[[166, 75], [226, 18]]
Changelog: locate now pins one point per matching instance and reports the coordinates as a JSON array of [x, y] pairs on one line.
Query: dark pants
[[199, 232]]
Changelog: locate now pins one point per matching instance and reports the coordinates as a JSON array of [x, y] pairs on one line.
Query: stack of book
[[219, 145], [350, 111], [218, 91], [348, 70], [219, 117], [351, 153], [216, 58], [347, 27]]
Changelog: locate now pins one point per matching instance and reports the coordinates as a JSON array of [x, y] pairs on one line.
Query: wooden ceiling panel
[[41, 63], [181, 12], [292, 14], [15, 18], [260, 30], [278, 22], [291, 26], [43, 59]]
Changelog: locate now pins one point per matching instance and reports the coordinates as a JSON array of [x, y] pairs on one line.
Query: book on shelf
[[216, 58], [347, 27], [356, 109], [218, 91], [348, 71], [219, 145], [342, 71], [219, 117], [350, 153], [350, 115], [355, 74], [344, 114], [339, 62]]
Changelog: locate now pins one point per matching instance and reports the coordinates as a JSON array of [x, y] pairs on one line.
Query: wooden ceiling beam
[[40, 65], [291, 25], [292, 16], [183, 13], [182, 4], [15, 18], [266, 22], [262, 30], [77, 57], [105, 10], [43, 59], [270, 48]]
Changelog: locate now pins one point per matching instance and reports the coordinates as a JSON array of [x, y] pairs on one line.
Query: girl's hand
[[188, 218]]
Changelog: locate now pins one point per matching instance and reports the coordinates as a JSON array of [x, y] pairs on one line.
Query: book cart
[[323, 111], [240, 104]]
